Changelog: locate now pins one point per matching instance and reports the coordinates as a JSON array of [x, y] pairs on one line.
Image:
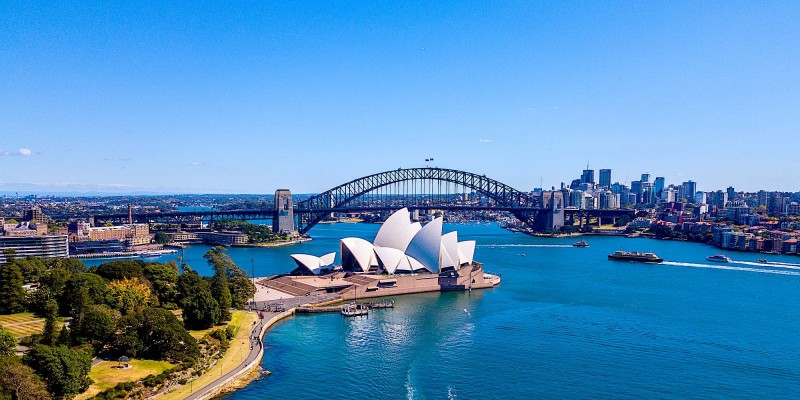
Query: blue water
[[565, 323]]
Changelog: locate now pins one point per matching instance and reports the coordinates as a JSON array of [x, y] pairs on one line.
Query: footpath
[[253, 359]]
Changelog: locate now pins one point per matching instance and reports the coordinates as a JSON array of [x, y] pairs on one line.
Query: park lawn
[[22, 324], [105, 376], [236, 320], [240, 346]]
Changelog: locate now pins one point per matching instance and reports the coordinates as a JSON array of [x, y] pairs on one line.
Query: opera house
[[404, 257], [400, 247]]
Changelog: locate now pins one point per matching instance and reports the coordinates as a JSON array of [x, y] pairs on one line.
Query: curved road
[[258, 346]]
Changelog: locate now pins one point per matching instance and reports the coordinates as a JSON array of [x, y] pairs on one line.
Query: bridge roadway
[[268, 214]]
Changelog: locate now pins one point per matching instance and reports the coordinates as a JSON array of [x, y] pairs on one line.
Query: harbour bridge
[[426, 188]]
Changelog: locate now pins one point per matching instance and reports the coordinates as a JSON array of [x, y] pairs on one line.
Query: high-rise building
[[605, 178], [587, 176], [689, 190], [636, 189], [700, 198], [646, 177], [284, 220], [659, 186], [731, 193]]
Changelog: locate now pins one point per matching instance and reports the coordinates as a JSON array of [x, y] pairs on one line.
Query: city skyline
[[249, 99]]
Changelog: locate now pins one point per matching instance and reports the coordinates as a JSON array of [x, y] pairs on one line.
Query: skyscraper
[[689, 190], [645, 177], [731, 193], [587, 176], [659, 185], [605, 178]]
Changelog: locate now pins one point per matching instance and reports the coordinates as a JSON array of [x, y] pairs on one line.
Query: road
[[258, 345]]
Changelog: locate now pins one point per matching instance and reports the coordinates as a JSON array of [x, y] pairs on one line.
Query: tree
[[66, 370], [50, 315], [121, 269], [242, 289], [220, 288], [200, 309], [12, 295], [163, 278], [8, 343], [128, 294], [19, 382], [155, 333], [98, 327], [162, 238], [32, 268]]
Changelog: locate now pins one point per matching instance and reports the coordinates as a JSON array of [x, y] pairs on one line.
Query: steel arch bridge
[[415, 188]]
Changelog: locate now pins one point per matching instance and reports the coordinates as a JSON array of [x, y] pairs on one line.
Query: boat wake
[[731, 268], [771, 265], [502, 246]]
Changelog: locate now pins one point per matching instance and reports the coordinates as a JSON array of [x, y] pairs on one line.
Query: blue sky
[[250, 97]]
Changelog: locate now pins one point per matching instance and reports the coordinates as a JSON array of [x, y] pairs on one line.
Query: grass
[[105, 376], [240, 347], [22, 324], [236, 320]]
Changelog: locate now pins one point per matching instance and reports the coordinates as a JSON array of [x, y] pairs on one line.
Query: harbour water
[[565, 323]]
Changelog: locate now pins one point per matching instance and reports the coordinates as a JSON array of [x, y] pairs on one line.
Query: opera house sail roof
[[400, 246]]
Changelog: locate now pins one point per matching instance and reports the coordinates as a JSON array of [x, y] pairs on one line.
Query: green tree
[[242, 290], [162, 238], [66, 369], [200, 309], [98, 327], [12, 295], [19, 382], [121, 269], [160, 336], [32, 268], [164, 279], [64, 338], [220, 289], [50, 315], [8, 343]]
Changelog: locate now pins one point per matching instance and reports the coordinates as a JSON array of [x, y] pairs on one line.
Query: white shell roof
[[397, 231], [466, 251], [390, 258], [360, 249], [426, 245], [313, 263], [450, 250]]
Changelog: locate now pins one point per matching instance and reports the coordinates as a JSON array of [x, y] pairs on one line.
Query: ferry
[[621, 255], [719, 258], [582, 243]]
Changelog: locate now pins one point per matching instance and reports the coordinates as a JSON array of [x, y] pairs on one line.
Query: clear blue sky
[[250, 97]]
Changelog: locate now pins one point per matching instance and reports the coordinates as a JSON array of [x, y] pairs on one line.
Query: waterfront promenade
[[242, 372]]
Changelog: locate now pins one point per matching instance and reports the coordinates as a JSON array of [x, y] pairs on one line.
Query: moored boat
[[635, 256], [719, 258]]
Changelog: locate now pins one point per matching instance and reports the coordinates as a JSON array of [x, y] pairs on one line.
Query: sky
[[249, 97]]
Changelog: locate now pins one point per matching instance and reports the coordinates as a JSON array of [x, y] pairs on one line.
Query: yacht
[[719, 258], [621, 255], [582, 243]]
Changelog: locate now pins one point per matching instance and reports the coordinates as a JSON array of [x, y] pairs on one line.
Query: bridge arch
[[315, 208]]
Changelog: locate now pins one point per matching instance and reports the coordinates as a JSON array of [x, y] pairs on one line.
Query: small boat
[[763, 261], [522, 254], [719, 258], [582, 243], [621, 255]]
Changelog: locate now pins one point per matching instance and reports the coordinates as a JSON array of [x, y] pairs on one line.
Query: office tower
[[605, 178], [659, 185]]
